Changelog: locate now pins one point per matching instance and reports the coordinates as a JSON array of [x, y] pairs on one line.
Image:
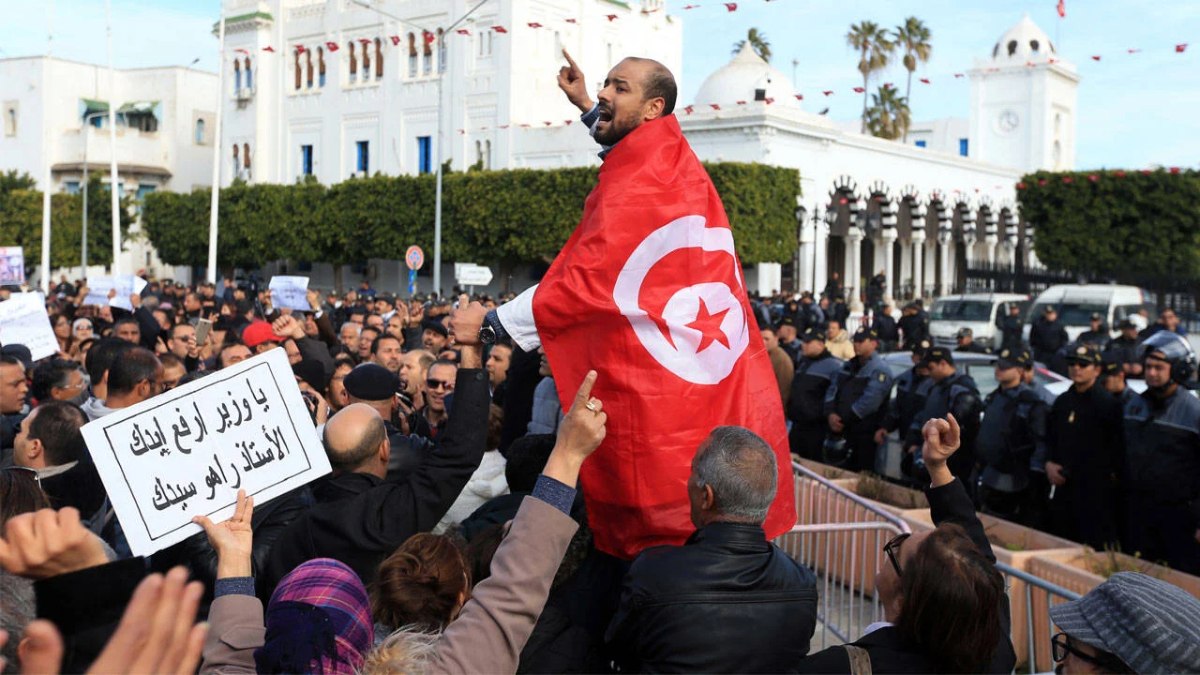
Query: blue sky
[[1134, 110]]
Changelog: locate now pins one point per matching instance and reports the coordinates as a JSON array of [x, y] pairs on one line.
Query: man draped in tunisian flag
[[649, 292]]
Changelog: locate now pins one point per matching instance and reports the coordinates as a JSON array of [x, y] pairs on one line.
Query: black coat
[[1085, 435], [86, 607], [889, 652], [726, 601], [1046, 337], [360, 519]]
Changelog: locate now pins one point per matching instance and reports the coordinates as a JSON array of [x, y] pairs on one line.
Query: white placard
[[125, 285], [12, 265], [290, 293], [188, 451], [24, 321]]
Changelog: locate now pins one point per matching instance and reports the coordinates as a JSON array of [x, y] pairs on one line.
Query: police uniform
[[1162, 471], [859, 395], [1011, 430], [806, 407], [974, 347], [955, 394], [911, 390], [1123, 349], [792, 349], [1084, 436], [1097, 338]]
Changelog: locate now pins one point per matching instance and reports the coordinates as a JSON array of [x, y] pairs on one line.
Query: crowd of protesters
[[452, 535]]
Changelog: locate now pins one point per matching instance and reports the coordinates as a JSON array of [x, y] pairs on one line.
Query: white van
[[1077, 302], [981, 312]]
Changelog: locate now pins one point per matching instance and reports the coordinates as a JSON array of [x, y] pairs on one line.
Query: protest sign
[[188, 451], [125, 285], [12, 265], [290, 293], [23, 321]]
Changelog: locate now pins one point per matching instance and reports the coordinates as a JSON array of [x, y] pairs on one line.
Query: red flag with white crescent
[[649, 292]]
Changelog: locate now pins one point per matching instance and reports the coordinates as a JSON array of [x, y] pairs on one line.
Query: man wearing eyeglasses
[[182, 343], [438, 383]]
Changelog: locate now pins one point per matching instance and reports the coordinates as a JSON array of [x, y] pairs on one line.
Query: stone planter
[[1017, 546], [826, 471], [888, 496]]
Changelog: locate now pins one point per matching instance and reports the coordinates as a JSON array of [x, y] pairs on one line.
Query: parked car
[[982, 369], [981, 312], [1077, 302]]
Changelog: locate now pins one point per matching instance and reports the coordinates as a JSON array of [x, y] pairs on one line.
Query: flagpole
[[44, 272], [114, 184], [214, 205]]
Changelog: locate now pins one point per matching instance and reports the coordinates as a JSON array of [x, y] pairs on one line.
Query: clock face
[[1008, 121]]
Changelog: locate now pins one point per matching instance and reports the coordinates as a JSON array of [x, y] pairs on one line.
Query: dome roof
[[1023, 42], [740, 79]]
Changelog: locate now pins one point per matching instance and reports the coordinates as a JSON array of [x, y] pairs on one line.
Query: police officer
[[967, 343], [912, 326], [1084, 455], [806, 407], [1125, 348], [1112, 378], [1162, 457], [912, 387], [1010, 328], [857, 400], [1096, 334], [1047, 335], [785, 330], [1012, 428], [952, 393]]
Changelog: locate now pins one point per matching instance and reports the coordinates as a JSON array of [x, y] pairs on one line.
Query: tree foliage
[[913, 38], [21, 221], [1116, 223], [758, 42], [889, 116], [514, 217], [874, 47]]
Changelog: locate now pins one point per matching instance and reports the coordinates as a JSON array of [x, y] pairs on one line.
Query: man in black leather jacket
[[728, 600]]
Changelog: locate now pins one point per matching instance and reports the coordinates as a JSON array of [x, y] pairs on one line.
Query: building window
[[412, 55], [364, 156], [72, 187], [962, 147], [487, 155], [441, 42], [10, 119], [427, 52], [296, 68], [249, 73], [353, 64], [485, 44], [306, 160], [199, 132], [237, 76], [236, 162], [378, 58], [320, 67], [308, 69], [921, 143], [366, 52], [145, 189], [424, 154]]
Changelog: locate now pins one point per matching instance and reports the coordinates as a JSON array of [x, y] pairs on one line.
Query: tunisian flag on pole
[[648, 291]]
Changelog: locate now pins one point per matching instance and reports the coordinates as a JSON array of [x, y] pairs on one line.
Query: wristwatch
[[487, 335]]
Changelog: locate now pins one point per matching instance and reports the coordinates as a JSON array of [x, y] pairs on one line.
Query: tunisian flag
[[648, 291]]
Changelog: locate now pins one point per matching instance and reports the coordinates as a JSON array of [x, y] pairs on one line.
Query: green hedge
[[1116, 223], [519, 216]]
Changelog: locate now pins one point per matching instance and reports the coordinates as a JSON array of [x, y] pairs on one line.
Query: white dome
[[740, 79], [1023, 42]]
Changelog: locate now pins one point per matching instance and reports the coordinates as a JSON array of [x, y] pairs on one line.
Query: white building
[[335, 88], [921, 212], [55, 111]]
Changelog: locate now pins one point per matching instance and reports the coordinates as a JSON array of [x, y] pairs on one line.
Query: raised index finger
[[585, 389], [570, 60]]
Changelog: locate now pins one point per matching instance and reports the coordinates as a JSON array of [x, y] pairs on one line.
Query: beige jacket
[[841, 346], [488, 635]]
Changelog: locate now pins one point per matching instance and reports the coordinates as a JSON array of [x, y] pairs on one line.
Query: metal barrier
[[1038, 595], [840, 536]]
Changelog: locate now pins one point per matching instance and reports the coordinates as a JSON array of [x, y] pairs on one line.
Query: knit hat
[[1151, 625], [318, 621], [436, 326], [371, 382]]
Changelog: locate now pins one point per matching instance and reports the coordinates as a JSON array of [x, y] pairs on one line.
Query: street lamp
[[437, 218], [83, 254]]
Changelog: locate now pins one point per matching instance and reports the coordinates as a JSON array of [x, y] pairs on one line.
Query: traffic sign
[[414, 257], [469, 274]]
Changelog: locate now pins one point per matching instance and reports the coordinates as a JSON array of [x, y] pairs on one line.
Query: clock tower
[[1023, 103]]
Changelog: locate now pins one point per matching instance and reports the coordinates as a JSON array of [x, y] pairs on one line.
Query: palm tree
[[758, 42], [913, 38], [874, 48], [889, 116]]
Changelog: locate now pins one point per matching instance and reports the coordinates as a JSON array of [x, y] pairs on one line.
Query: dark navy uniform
[[1084, 436], [957, 394], [1162, 478], [1010, 433], [1122, 349], [806, 408], [859, 395]]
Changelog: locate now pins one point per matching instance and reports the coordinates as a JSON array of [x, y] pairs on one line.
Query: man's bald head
[[657, 82], [353, 438]]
